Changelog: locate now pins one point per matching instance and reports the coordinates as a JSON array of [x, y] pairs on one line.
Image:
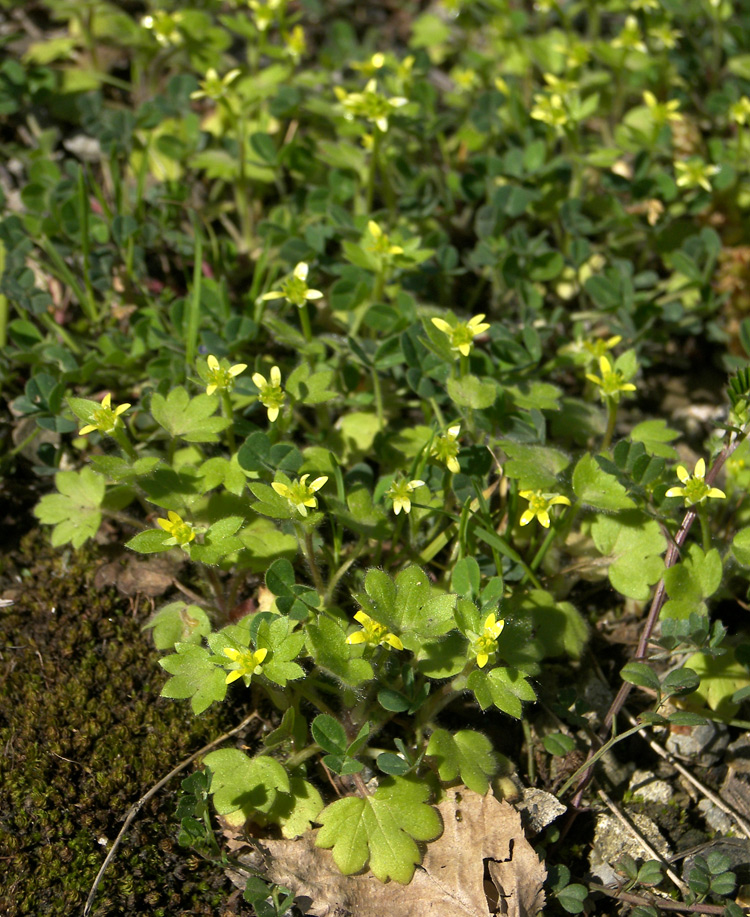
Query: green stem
[[304, 317], [597, 755], [83, 209], [121, 438], [374, 157], [705, 529], [543, 548], [194, 303], [611, 421], [378, 397], [226, 410], [309, 552]]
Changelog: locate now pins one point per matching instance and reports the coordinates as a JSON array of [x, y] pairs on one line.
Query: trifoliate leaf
[[594, 486], [380, 830], [634, 544], [219, 471], [195, 674], [503, 687], [178, 622], [189, 418], [326, 642], [559, 626], [308, 387], [240, 784], [534, 467], [75, 510], [466, 754]]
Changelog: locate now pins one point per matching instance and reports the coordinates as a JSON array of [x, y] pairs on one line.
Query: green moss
[[84, 735]]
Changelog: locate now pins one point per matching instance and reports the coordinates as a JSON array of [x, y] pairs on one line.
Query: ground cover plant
[[417, 338]]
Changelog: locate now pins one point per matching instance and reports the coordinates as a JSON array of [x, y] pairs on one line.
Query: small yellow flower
[[598, 347], [264, 14], [539, 505], [445, 448], [369, 104], [220, 376], [739, 112], [485, 645], [180, 532], [300, 494], [165, 27], [551, 110], [270, 393], [214, 86], [295, 288], [611, 383], [462, 334], [695, 173], [665, 36], [662, 112], [695, 489], [295, 43], [104, 419], [370, 67], [630, 38], [379, 243], [245, 663], [373, 634], [400, 492]]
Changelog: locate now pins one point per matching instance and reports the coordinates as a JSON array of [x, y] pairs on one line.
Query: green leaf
[[149, 542], [558, 626], [634, 544], [466, 577], [721, 677], [284, 645], [326, 642], [539, 396], [75, 510], [534, 467], [189, 418], [741, 546], [656, 436], [380, 830], [240, 784], [466, 754], [195, 674], [470, 392], [222, 472], [592, 485], [178, 622], [503, 687], [573, 898], [309, 387], [329, 734], [559, 744], [269, 502], [641, 674], [296, 810], [695, 578], [265, 543], [280, 577]]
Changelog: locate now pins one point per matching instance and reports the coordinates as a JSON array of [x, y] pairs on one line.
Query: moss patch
[[84, 734]]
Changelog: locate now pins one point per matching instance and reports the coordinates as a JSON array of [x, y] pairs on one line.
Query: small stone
[[612, 841], [649, 788], [538, 809], [702, 745], [715, 819]]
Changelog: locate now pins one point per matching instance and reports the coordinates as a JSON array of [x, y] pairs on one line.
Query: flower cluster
[[300, 494], [539, 505], [462, 334], [219, 376], [105, 419], [270, 393], [695, 490], [373, 633], [695, 173], [295, 288]]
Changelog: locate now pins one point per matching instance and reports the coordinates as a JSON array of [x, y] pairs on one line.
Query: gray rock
[[703, 745], [538, 809], [648, 787], [612, 841]]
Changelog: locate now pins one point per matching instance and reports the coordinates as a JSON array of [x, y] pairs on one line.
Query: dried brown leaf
[[478, 830]]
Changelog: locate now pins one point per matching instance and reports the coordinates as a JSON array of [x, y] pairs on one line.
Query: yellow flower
[[245, 663], [695, 489], [695, 173], [270, 393], [220, 376], [264, 14], [739, 112], [662, 112], [630, 38], [485, 645], [379, 243], [373, 633], [445, 448], [104, 419], [295, 288], [369, 104], [164, 27], [598, 347], [539, 505], [611, 383], [300, 494], [462, 334], [551, 110], [295, 43], [371, 66], [400, 492], [214, 86], [180, 532]]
